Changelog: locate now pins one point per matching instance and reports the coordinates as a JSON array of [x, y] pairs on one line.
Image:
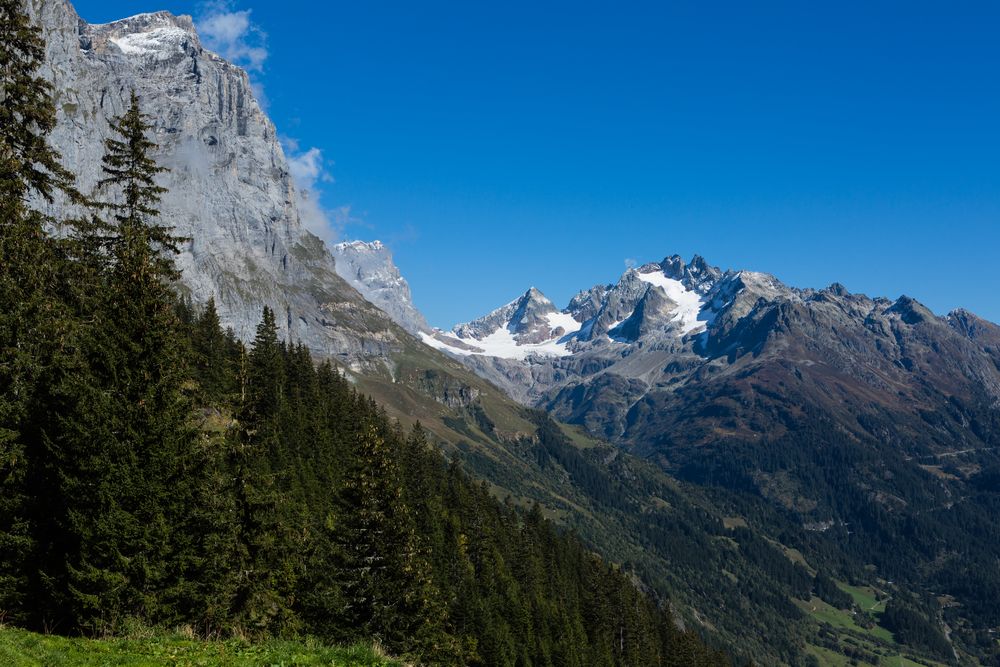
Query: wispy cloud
[[306, 166], [308, 169], [630, 263], [230, 33]]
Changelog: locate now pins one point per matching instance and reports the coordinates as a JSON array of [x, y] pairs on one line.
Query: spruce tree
[[127, 449], [210, 348], [142, 247], [265, 573], [384, 576], [31, 318]]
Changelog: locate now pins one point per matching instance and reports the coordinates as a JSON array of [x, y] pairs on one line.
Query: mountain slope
[[863, 432], [618, 344]]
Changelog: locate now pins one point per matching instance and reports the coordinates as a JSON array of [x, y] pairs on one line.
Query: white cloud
[[231, 34], [630, 263], [308, 169]]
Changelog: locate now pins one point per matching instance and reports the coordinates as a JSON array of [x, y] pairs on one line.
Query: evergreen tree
[[385, 580], [142, 247], [31, 318], [28, 165], [210, 349], [127, 449], [265, 575]]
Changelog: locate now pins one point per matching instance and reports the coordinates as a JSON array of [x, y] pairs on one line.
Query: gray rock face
[[698, 275], [618, 305], [649, 349], [229, 187], [368, 268], [586, 304]]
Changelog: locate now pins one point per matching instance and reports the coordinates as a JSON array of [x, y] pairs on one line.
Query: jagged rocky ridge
[[529, 347], [229, 186], [626, 357]]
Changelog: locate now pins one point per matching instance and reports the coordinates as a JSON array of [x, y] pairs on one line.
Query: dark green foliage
[[828, 591], [212, 351], [118, 440], [910, 626], [27, 163], [130, 170], [34, 327], [266, 517]]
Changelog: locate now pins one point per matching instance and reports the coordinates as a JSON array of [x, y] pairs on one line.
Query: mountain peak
[[697, 275], [148, 21], [156, 33], [360, 246], [911, 311], [535, 294]]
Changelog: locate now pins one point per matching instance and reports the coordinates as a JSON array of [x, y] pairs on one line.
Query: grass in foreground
[[19, 648]]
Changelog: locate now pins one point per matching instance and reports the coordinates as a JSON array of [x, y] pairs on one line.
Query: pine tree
[[384, 577], [265, 573], [32, 322], [130, 437]]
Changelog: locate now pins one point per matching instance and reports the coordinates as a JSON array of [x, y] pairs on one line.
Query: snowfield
[[689, 302], [501, 343]]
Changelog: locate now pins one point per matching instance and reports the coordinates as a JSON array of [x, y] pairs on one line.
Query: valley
[[797, 475]]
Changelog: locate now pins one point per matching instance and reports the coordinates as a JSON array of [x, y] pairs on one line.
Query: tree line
[[154, 468]]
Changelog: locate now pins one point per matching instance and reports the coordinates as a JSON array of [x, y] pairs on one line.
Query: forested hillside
[[153, 469]]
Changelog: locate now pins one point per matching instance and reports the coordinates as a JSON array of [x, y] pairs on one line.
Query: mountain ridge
[[229, 186], [771, 407], [689, 310]]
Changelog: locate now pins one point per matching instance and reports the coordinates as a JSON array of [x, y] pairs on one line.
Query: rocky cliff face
[[229, 187], [368, 268]]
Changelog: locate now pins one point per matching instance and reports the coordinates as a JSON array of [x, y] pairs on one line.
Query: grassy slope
[[875, 640], [19, 648]]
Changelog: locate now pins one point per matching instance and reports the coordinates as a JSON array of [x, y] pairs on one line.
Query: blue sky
[[498, 145]]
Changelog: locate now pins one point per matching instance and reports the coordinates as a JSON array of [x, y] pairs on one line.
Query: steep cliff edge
[[229, 186]]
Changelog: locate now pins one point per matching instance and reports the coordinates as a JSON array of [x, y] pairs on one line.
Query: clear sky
[[499, 145]]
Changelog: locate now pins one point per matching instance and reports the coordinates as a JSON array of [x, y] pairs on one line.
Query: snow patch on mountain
[[563, 321], [689, 303], [503, 342], [159, 42]]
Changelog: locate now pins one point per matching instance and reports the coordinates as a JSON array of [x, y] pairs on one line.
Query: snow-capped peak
[[524, 317], [158, 34], [689, 303], [669, 299], [359, 246], [527, 326]]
